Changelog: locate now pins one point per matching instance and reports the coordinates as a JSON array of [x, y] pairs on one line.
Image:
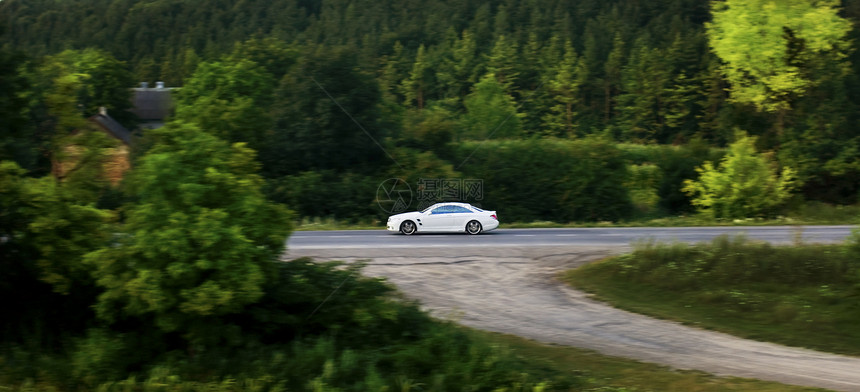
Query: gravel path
[[515, 291]]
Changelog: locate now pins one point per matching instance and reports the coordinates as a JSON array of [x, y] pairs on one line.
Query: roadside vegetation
[[588, 111], [605, 373], [803, 295]]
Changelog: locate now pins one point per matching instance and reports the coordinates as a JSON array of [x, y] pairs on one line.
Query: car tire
[[408, 227], [473, 227]]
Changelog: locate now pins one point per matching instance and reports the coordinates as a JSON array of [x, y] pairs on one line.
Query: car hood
[[406, 215]]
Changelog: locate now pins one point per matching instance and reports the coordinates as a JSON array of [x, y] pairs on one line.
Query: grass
[[328, 224], [624, 374], [805, 296]]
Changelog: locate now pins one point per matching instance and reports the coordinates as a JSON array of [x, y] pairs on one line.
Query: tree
[[772, 50], [198, 243], [272, 54], [612, 76], [502, 62], [456, 73], [491, 113], [229, 99], [327, 116], [429, 130], [744, 185], [643, 104], [46, 226], [106, 82], [67, 88], [564, 91], [16, 140], [414, 87]]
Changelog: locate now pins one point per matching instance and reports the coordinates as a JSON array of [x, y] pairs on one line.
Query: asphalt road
[[604, 237]]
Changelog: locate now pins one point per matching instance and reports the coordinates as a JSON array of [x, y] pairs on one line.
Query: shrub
[[744, 185], [549, 179], [676, 164]]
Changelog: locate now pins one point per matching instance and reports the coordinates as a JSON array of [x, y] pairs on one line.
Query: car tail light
[[494, 217]]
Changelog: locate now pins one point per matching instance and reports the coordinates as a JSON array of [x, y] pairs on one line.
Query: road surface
[[604, 237]]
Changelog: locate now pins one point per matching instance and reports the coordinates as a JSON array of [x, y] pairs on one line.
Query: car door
[[438, 219], [459, 217]]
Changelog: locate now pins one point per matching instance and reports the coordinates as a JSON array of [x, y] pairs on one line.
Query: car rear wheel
[[407, 228], [473, 227]]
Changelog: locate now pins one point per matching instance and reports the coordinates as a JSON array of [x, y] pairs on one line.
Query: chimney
[[159, 84], [103, 111], [144, 84]]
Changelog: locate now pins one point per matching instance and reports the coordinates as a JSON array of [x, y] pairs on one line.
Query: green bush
[[642, 184], [746, 184], [326, 193], [676, 164], [310, 299], [549, 179], [317, 327]]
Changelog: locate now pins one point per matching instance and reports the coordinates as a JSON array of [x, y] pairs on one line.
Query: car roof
[[451, 203]]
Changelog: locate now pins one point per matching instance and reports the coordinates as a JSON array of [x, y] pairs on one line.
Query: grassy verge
[[806, 296], [326, 224], [600, 371]]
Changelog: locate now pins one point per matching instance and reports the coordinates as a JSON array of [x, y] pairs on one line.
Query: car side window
[[440, 210], [458, 209]]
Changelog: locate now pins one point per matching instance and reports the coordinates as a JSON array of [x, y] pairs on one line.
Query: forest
[[565, 111], [338, 96]]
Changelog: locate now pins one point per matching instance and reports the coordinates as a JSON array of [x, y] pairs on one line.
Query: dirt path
[[514, 290]]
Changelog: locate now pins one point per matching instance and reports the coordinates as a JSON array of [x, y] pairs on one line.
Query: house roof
[[112, 127], [152, 104]]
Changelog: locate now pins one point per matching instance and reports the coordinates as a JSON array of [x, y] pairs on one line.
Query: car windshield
[[427, 209]]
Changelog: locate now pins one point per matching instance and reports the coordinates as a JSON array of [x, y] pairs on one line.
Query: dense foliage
[[340, 87], [743, 185]]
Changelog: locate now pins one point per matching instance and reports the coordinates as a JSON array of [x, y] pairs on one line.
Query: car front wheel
[[473, 227], [407, 227]]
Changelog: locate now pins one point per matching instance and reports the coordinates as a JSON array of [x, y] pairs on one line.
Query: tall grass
[[803, 295]]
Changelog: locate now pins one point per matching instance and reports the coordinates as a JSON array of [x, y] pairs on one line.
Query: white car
[[445, 217]]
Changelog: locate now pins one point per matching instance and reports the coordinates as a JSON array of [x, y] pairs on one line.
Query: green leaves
[[744, 185], [773, 50], [564, 85], [491, 112], [550, 179], [199, 241]]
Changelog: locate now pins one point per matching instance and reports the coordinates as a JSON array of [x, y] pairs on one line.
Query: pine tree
[[414, 87], [503, 62], [612, 77], [564, 91], [490, 112]]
